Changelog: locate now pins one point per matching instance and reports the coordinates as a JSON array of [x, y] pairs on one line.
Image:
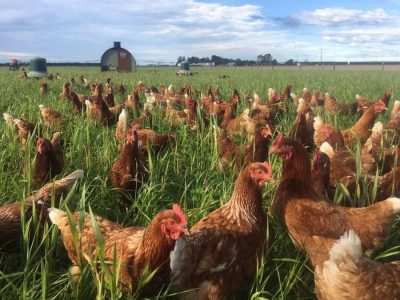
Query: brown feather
[[224, 246], [135, 248], [306, 214]]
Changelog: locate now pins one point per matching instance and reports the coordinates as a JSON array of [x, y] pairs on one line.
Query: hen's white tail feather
[[343, 258], [17, 121], [348, 248], [56, 137], [151, 98], [327, 149], [245, 113], [8, 118], [317, 122], [395, 109], [256, 97], [71, 178], [301, 105], [123, 119], [56, 215], [378, 128], [395, 203]]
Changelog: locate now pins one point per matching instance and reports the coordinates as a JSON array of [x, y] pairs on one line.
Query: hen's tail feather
[[56, 215], [348, 248], [71, 178], [395, 202]]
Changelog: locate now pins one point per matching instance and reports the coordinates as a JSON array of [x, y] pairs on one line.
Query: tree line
[[262, 60]]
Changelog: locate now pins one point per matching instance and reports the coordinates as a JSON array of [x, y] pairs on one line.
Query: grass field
[[184, 173]]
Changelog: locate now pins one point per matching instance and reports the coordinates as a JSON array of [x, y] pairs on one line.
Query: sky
[[157, 31]]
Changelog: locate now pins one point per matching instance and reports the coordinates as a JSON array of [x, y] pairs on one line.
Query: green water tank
[[185, 66], [38, 67]]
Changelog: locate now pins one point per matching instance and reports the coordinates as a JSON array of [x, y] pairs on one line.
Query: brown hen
[[308, 217], [223, 248], [129, 173], [361, 131], [51, 117], [349, 274], [10, 214], [133, 249], [49, 159]]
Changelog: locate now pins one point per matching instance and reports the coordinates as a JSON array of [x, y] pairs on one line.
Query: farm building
[[118, 59]]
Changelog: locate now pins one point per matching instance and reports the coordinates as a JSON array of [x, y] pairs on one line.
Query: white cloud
[[343, 16], [364, 44], [173, 28], [365, 35], [163, 30]]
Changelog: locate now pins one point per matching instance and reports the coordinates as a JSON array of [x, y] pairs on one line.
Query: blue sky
[[160, 31]]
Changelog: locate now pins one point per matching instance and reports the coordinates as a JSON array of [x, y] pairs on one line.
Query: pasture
[[184, 173]]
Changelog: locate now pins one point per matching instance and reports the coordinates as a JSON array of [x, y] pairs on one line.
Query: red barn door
[[124, 61]]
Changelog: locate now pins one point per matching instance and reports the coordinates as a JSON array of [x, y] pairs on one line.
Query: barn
[[118, 59]]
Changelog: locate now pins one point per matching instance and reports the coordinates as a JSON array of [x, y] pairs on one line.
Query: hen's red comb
[[268, 167], [178, 210], [382, 103], [276, 97], [266, 131], [131, 136]]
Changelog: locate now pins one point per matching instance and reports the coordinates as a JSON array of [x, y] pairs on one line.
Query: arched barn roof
[[118, 59]]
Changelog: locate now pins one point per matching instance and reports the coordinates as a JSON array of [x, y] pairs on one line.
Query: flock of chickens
[[215, 257]]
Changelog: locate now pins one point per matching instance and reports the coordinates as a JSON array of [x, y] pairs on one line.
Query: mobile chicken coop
[[118, 59]]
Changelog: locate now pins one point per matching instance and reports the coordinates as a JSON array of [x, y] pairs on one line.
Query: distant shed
[[185, 66], [185, 69], [38, 67], [118, 59]]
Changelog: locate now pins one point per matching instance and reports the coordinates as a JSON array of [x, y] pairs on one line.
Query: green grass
[[185, 173]]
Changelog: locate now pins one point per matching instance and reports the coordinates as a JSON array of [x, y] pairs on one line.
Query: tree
[[265, 59], [180, 59], [193, 60], [289, 62], [268, 58], [217, 60], [260, 59]]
